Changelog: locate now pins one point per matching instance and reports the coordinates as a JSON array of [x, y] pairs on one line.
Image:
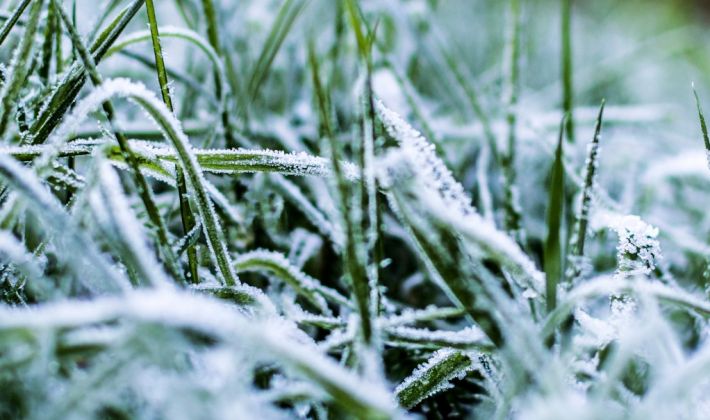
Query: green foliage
[[267, 211]]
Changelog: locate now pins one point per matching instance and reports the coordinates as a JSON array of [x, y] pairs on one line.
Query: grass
[[349, 210]]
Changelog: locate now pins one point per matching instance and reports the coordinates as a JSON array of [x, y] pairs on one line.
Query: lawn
[[324, 209]]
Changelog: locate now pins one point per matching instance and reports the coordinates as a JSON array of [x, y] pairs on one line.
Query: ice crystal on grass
[[638, 248], [434, 172], [433, 376]]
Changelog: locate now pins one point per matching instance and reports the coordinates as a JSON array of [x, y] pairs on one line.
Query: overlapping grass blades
[[150, 268], [19, 66], [144, 190]]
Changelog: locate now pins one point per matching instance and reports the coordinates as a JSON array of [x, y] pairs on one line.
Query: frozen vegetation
[[216, 209]]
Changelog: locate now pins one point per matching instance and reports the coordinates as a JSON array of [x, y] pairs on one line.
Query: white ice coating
[[430, 167], [638, 248], [275, 339], [446, 198], [423, 374], [469, 336], [130, 229], [229, 161]]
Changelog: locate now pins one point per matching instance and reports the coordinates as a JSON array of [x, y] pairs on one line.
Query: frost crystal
[[446, 198], [433, 170], [638, 249]]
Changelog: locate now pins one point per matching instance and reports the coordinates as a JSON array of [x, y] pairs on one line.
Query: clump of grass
[[274, 235]]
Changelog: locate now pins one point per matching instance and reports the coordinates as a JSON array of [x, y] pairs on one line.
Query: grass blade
[[127, 228], [288, 13], [703, 126], [353, 256], [432, 377], [580, 230], [706, 140], [188, 222], [567, 84], [310, 288], [12, 20], [555, 214], [512, 216]]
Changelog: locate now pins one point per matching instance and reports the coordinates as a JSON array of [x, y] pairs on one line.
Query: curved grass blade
[[176, 75], [272, 340], [144, 190], [173, 32], [433, 174], [186, 159], [303, 284]]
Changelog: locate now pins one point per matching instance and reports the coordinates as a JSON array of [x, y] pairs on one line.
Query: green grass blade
[[432, 376], [580, 230], [158, 52], [353, 257], [357, 24], [512, 215], [703, 126], [706, 141], [567, 83], [287, 15], [215, 161], [370, 208], [555, 214], [68, 88], [188, 221], [12, 20]]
